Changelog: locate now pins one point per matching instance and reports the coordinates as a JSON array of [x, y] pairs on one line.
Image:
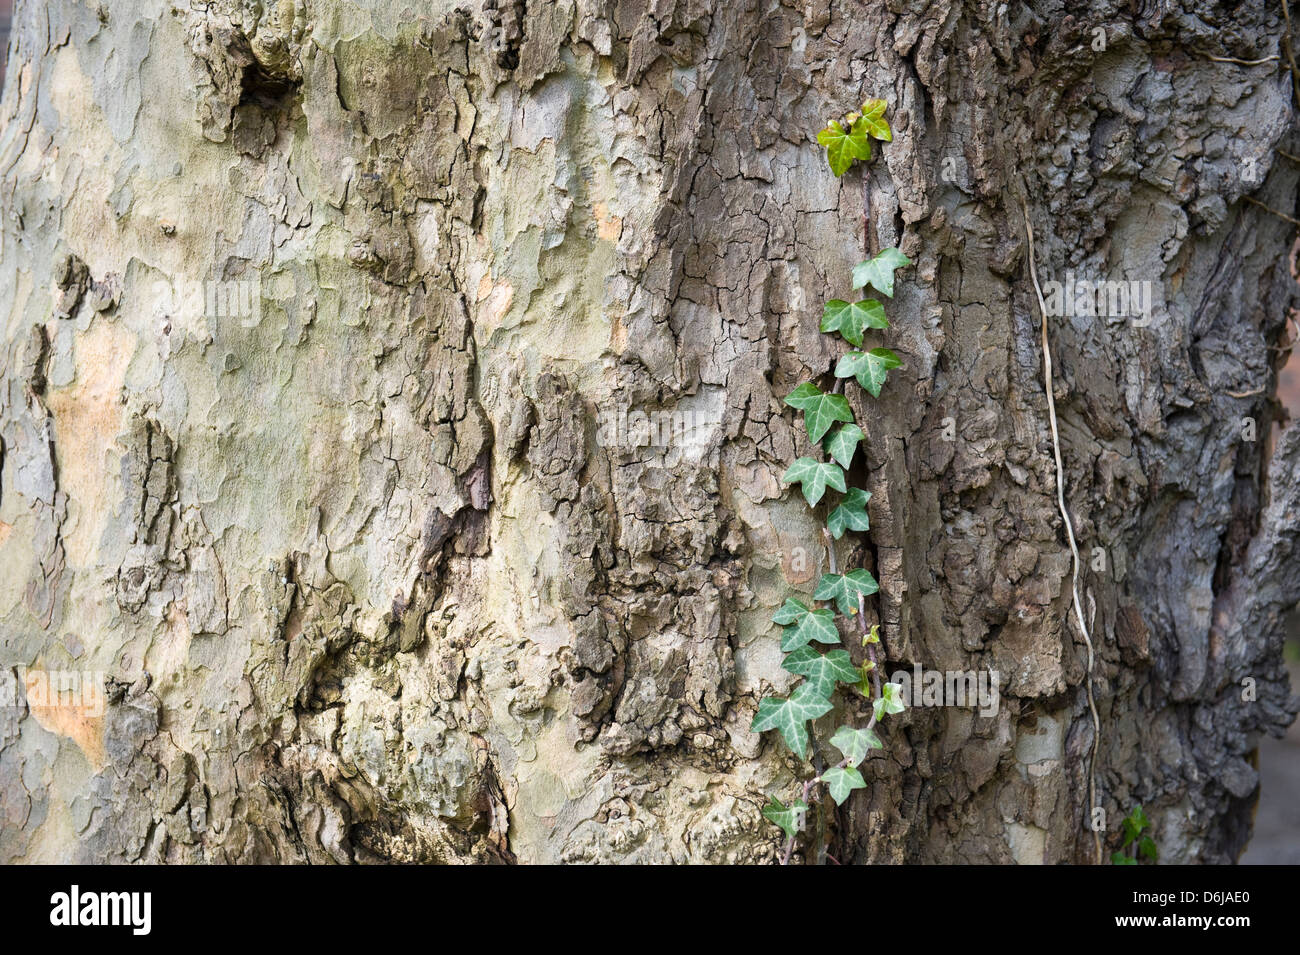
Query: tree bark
[[328, 332]]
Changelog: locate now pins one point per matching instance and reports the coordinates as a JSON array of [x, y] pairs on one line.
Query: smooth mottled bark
[[316, 315]]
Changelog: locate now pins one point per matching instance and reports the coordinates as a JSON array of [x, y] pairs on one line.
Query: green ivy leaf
[[855, 743], [864, 682], [822, 670], [873, 116], [1148, 848], [788, 819], [845, 145], [878, 271], [1118, 858], [870, 368], [1134, 823], [790, 716], [842, 442], [850, 319], [813, 477], [816, 625], [842, 780], [851, 514], [820, 410], [844, 589], [890, 701], [790, 611]]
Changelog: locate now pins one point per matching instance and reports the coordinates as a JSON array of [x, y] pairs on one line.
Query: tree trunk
[[331, 335]]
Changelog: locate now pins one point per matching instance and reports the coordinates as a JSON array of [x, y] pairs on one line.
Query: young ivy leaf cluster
[[810, 634], [1135, 824], [850, 139]]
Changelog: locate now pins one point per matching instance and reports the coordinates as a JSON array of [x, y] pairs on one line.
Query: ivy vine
[[808, 631]]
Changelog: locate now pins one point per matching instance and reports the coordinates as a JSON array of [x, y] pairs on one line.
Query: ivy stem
[[868, 232], [789, 844], [830, 550], [842, 764], [875, 682], [833, 563]]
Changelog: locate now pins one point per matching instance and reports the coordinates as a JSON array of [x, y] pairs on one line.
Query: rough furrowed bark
[[391, 413]]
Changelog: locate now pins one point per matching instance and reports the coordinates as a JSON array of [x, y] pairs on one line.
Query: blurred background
[[1277, 821], [6, 10]]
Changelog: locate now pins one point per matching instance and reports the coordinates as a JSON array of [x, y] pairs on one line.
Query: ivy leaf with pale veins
[[790, 716], [816, 625], [845, 145], [790, 611], [789, 819], [890, 701], [851, 514], [878, 271], [842, 442], [822, 670], [842, 780], [855, 743], [870, 368], [849, 319], [844, 589], [820, 410], [873, 117], [813, 477]]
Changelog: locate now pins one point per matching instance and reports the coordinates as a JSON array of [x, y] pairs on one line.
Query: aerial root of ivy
[[1069, 531]]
